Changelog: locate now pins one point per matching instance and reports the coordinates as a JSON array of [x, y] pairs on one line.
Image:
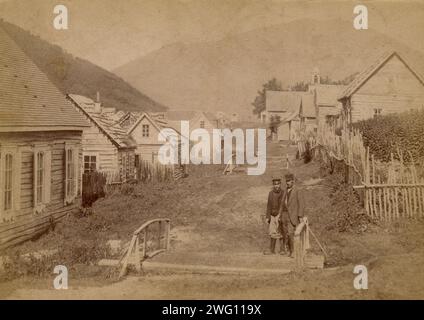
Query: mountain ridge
[[226, 74], [72, 74]]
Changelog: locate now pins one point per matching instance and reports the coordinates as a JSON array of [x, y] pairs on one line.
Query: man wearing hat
[[292, 210], [275, 197]]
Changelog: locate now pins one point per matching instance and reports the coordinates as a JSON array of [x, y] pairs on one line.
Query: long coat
[[295, 206]]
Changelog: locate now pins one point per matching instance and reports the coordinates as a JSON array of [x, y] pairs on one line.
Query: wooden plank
[[397, 202], [137, 255]]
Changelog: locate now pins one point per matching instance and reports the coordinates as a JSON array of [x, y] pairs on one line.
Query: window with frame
[[202, 124], [377, 112], [10, 182], [146, 130], [90, 163]]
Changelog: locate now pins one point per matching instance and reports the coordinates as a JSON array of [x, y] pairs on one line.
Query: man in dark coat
[[292, 210], [275, 197]]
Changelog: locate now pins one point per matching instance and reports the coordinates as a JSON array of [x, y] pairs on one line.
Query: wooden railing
[[147, 241], [301, 243]]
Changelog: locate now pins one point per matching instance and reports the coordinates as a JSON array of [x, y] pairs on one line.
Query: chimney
[[97, 104]]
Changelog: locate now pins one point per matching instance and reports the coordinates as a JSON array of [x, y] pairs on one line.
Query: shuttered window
[[71, 173], [10, 182], [8, 185], [42, 178]]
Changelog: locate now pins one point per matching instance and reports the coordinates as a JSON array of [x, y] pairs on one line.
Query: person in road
[[275, 197], [291, 210]]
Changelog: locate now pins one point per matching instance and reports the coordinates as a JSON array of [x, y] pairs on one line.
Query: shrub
[[400, 134]]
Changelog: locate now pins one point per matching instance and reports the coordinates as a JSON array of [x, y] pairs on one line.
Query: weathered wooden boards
[[148, 171], [154, 238], [390, 190]]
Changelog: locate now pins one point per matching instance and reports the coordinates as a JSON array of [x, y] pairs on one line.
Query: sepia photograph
[[209, 150]]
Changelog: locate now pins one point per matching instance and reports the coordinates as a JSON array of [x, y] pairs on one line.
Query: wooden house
[[281, 114], [146, 132], [328, 108], [307, 113], [389, 85], [196, 119], [288, 129], [106, 145], [40, 148]]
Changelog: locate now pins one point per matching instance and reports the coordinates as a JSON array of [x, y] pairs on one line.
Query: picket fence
[[391, 190]]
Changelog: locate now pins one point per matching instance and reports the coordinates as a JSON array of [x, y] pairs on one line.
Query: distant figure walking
[[275, 198], [291, 211]]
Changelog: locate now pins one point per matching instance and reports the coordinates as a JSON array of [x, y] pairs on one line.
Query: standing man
[[275, 197], [292, 210]]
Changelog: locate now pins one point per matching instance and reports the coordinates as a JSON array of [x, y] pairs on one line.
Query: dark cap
[[289, 176], [276, 180]]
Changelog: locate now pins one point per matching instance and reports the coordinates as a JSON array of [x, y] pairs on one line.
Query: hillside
[[226, 74], [74, 75]]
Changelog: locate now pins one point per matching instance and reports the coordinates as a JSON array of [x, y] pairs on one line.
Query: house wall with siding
[[288, 130], [96, 142], [26, 224], [147, 147], [393, 89], [208, 125]]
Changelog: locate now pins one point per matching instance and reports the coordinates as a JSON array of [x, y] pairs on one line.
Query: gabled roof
[[308, 106], [292, 116], [181, 115], [103, 121], [282, 101], [327, 94], [28, 100], [210, 116], [367, 73], [157, 125]]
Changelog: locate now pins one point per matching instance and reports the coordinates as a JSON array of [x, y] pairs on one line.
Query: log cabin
[[106, 146], [40, 148], [389, 85]]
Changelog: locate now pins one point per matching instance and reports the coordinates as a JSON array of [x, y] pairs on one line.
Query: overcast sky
[[111, 33]]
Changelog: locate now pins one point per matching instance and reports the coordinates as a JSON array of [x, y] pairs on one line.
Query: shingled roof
[[107, 124], [28, 100], [282, 101], [363, 77], [327, 94], [308, 106]]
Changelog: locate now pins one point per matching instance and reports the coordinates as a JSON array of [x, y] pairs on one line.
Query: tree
[[260, 100], [300, 86]]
